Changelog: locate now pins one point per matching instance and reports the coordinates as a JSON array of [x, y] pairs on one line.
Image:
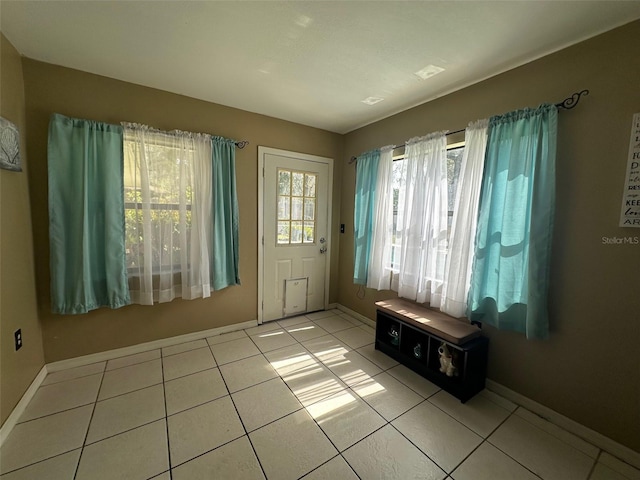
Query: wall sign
[[630, 213], [9, 146]]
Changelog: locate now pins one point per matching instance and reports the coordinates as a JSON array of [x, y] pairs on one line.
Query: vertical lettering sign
[[630, 214]]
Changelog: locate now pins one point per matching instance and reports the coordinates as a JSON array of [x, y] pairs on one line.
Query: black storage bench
[[417, 337]]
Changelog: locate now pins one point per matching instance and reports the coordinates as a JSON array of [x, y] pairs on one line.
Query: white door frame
[[300, 156]]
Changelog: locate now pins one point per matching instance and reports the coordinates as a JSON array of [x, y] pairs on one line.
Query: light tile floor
[[306, 397]]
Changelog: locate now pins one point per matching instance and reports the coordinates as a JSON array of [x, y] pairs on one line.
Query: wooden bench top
[[448, 328]]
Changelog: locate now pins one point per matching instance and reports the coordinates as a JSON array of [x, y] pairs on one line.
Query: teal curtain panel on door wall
[[225, 258], [366, 182]]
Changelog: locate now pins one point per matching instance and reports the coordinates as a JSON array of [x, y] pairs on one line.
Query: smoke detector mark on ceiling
[[303, 21], [372, 100], [428, 71]]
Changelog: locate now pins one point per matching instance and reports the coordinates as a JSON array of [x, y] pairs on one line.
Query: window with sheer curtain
[[424, 219], [168, 218], [454, 154]]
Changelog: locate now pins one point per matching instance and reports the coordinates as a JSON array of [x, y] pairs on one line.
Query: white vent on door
[[295, 296]]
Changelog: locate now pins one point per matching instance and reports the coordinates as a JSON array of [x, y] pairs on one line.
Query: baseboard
[[19, 409], [332, 306], [357, 315], [145, 347], [591, 436]]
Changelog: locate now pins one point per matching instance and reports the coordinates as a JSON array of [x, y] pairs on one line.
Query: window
[[454, 161], [296, 207], [168, 214], [167, 207], [424, 215]]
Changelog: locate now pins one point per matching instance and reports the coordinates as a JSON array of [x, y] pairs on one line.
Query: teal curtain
[[225, 260], [366, 182], [86, 216], [510, 278]]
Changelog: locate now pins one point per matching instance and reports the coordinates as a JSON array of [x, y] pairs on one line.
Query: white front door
[[295, 229]]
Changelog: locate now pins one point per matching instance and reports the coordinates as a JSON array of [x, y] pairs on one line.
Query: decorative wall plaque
[[630, 214], [9, 146]]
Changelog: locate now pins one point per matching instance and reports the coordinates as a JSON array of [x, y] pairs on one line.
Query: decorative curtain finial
[[572, 101]]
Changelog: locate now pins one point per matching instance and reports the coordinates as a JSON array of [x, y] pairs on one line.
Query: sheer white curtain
[[379, 276], [459, 262], [422, 219], [168, 186]]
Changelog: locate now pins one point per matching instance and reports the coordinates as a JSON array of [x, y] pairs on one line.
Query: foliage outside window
[[168, 212], [454, 161], [296, 204]]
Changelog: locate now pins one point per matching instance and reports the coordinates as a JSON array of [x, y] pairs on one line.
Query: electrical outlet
[[18, 337]]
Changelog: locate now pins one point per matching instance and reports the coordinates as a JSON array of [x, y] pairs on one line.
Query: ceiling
[[310, 62]]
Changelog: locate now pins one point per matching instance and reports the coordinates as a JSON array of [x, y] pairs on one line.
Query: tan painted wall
[[589, 370], [17, 278], [51, 89]]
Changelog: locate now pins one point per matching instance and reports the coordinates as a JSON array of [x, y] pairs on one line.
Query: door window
[[296, 201]]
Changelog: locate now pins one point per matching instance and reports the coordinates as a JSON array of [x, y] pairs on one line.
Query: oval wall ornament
[[9, 146]]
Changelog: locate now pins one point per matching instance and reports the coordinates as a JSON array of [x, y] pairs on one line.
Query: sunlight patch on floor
[[369, 387], [330, 405], [271, 334]]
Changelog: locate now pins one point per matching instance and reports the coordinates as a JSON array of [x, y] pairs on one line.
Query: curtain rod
[[239, 143], [567, 104]]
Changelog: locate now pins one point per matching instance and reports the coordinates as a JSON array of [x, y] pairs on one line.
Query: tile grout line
[[19, 422], [166, 415], [349, 465], [595, 463], [191, 408], [86, 435], [104, 399], [502, 451], [72, 378], [416, 446], [124, 431], [132, 364], [518, 407], [361, 440], [339, 454], [246, 434], [486, 440], [204, 453], [303, 407], [483, 439], [55, 413], [39, 461], [129, 392]]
